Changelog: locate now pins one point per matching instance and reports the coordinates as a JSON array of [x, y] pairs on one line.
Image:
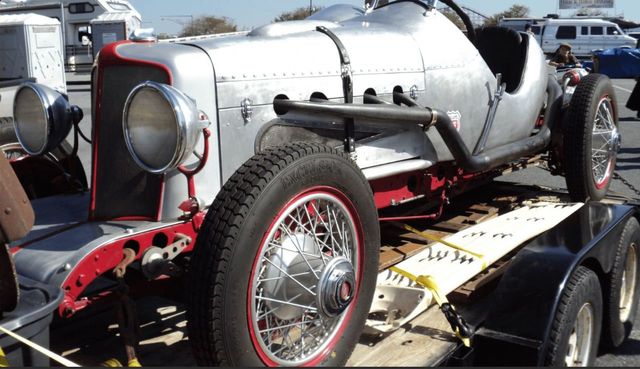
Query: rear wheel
[[591, 139], [577, 323], [621, 288], [285, 266]]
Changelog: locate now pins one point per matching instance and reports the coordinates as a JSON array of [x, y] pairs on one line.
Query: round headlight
[[161, 126], [42, 117]]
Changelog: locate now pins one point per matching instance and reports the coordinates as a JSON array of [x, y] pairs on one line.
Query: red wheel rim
[[287, 331]]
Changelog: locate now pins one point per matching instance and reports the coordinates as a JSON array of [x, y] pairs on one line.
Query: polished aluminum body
[[234, 79], [399, 46]]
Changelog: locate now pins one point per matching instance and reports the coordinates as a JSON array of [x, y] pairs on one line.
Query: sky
[[249, 14]]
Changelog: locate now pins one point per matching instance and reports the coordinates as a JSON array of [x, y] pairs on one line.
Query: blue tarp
[[619, 63]]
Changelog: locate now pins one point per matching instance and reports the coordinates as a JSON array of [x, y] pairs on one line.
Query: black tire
[[582, 288], [594, 91], [234, 236], [617, 323], [38, 177]]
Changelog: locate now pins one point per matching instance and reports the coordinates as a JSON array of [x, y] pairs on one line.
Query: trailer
[[76, 18], [515, 308], [30, 50]]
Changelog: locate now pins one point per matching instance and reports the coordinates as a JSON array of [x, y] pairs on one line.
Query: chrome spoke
[[310, 308], [292, 320], [292, 278], [604, 141]]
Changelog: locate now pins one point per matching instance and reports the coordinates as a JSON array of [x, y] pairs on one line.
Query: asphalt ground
[[628, 166]]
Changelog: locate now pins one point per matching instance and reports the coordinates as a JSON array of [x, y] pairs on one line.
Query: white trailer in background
[[76, 17], [112, 27], [30, 50]]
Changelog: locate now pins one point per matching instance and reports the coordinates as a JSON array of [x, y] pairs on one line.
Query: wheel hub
[[616, 141], [628, 284], [288, 276], [335, 290]]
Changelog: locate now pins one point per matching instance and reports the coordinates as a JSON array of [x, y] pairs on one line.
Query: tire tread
[[233, 202]]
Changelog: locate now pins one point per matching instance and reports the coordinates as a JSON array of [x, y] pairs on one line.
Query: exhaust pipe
[[432, 117]]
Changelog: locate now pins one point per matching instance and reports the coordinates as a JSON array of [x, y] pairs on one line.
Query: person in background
[[528, 29], [634, 99], [564, 57]]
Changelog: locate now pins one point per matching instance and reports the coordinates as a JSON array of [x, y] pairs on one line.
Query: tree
[[297, 14], [454, 18], [164, 36], [516, 11], [590, 12], [208, 25]]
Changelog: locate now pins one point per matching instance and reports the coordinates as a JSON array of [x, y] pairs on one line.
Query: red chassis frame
[[436, 183]]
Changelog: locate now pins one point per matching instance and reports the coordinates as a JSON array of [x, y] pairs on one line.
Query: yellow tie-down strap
[[53, 356], [433, 238], [430, 284], [3, 359]]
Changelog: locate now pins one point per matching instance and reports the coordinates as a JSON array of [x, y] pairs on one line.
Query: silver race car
[[260, 164]]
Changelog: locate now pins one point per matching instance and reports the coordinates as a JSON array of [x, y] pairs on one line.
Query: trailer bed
[[92, 337]]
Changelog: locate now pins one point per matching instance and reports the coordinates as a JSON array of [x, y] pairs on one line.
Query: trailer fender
[[519, 323]]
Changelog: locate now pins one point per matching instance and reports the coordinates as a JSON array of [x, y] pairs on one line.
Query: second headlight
[[161, 126]]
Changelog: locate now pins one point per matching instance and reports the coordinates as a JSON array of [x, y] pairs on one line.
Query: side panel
[[527, 297]]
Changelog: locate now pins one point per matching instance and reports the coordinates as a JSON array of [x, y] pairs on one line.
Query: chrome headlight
[[161, 126], [43, 118]]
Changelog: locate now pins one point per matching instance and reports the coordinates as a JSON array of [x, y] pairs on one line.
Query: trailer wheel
[[621, 288], [591, 139], [284, 269], [577, 323]]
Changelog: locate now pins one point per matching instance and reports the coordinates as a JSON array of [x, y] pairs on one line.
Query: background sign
[[578, 4]]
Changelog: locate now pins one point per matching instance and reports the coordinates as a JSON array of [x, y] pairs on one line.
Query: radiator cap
[[143, 35]]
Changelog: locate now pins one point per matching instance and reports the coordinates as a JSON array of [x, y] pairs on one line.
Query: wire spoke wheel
[[285, 266], [13, 151], [304, 279], [591, 139], [605, 143]]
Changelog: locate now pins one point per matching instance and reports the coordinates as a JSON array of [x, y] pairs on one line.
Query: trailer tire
[[263, 228], [621, 288], [580, 307], [593, 107]]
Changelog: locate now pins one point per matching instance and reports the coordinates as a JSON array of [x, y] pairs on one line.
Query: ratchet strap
[[433, 238], [51, 355], [115, 363], [3, 359], [457, 322]]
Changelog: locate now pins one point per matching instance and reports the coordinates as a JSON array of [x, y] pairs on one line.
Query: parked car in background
[[584, 35], [617, 63]]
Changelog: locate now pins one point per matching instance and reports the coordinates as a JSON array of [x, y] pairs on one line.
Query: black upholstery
[[505, 51]]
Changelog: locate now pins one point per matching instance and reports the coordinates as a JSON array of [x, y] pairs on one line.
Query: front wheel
[[284, 269], [591, 139]]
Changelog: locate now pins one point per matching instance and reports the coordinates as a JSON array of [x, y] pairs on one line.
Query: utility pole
[[310, 7], [172, 18]]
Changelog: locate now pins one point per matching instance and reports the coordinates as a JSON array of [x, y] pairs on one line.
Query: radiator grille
[[122, 189]]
